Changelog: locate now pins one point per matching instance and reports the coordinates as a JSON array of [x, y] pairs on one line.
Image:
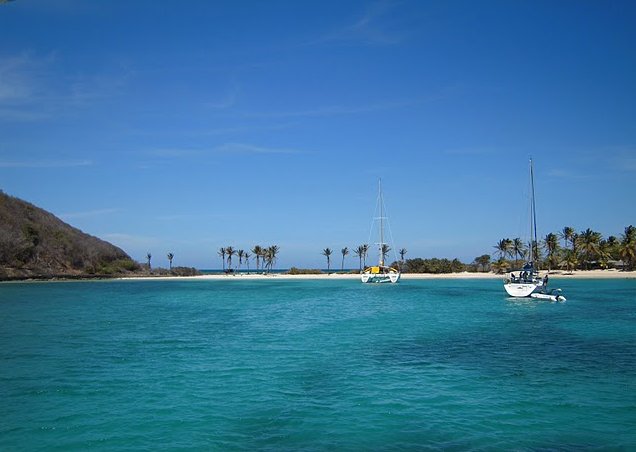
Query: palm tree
[[627, 247], [365, 254], [264, 256], [483, 261], [327, 253], [589, 240], [402, 252], [359, 251], [570, 260], [258, 253], [221, 253], [240, 254], [509, 244], [344, 252], [170, 257], [551, 243], [536, 251], [270, 255], [247, 260], [604, 253], [230, 251], [630, 234], [628, 255], [518, 249], [503, 248], [612, 245], [575, 241], [384, 250], [567, 234], [149, 256]]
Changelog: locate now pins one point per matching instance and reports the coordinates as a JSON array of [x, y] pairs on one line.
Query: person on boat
[[545, 280]]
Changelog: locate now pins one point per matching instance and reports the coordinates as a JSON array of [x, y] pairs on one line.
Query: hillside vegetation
[[36, 244]]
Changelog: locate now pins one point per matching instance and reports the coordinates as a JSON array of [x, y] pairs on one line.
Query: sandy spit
[[577, 274]]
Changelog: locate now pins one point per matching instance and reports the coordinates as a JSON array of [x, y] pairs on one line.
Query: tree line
[[567, 249], [174, 271], [362, 252], [265, 258]]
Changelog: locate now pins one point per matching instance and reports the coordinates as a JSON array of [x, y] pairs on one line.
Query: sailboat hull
[[527, 283], [520, 290]]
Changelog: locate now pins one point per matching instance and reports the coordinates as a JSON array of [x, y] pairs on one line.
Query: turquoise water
[[288, 365]]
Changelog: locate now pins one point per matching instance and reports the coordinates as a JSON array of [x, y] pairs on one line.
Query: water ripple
[[315, 365]]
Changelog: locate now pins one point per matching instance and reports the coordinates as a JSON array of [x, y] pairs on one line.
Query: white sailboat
[[380, 273], [527, 282]]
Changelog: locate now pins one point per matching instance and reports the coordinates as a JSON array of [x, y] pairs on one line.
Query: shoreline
[[557, 275], [576, 274]]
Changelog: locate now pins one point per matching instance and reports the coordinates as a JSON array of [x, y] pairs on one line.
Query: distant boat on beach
[[527, 282], [380, 273]]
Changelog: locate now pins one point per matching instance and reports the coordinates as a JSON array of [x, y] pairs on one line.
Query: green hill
[[36, 244]]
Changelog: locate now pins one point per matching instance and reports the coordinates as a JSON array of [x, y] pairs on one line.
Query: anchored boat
[[527, 282], [380, 273]]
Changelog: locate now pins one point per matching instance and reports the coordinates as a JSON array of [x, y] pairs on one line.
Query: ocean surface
[[316, 365]]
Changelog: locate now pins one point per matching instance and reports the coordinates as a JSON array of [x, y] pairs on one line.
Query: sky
[[190, 126]]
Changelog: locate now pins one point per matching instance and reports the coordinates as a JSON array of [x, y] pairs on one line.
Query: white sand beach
[[557, 274]]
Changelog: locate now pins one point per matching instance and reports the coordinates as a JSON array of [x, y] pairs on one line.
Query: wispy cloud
[[21, 114], [565, 174], [244, 129], [62, 7], [610, 158], [15, 78], [173, 152], [33, 88], [89, 213], [44, 163], [373, 27], [625, 159], [85, 89], [242, 148], [476, 151], [333, 110], [627, 163], [169, 154], [187, 216], [228, 101]]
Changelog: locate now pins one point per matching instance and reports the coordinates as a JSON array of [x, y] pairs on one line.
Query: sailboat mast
[[533, 224], [381, 222]]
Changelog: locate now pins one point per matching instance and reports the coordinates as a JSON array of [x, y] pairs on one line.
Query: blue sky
[[187, 126]]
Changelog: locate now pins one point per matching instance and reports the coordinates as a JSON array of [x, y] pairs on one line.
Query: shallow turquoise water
[[287, 365]]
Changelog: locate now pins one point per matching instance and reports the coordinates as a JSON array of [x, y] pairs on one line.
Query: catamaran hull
[[380, 279]]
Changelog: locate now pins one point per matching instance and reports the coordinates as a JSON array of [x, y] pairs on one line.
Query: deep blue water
[[288, 365]]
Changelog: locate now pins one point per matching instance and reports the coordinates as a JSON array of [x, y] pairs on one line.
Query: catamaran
[[380, 273], [527, 282]]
